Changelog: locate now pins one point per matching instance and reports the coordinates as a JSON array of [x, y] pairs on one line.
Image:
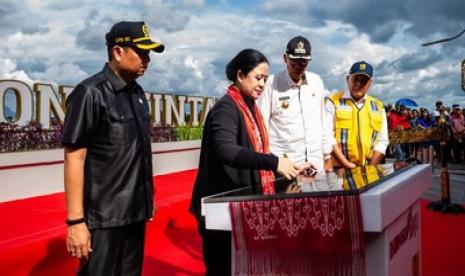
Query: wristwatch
[[70, 222]]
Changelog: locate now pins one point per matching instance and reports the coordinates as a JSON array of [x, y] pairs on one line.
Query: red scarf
[[258, 136]]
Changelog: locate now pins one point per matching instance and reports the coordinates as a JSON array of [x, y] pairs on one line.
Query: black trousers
[[457, 148], [216, 246], [115, 251]]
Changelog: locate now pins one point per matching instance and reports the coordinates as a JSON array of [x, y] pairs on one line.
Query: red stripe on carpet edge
[[174, 150], [188, 172], [19, 166], [178, 196]]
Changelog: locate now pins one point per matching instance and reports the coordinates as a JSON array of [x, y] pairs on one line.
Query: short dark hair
[[245, 61], [110, 49], [110, 56]]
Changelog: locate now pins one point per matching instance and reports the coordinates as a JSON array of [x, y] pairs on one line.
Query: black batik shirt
[[111, 120]]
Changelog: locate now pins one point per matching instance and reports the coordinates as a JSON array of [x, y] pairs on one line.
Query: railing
[[440, 135], [416, 135]]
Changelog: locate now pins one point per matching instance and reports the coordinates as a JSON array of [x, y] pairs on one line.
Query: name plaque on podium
[[389, 203]]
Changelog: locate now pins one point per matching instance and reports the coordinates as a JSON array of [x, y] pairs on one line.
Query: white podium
[[390, 211]]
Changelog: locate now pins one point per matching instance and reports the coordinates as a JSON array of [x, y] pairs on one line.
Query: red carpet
[[33, 233], [32, 236], [443, 240]]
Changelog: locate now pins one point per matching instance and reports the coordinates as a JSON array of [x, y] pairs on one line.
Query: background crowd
[[402, 117]]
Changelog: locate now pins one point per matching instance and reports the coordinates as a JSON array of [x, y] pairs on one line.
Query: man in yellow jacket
[[360, 135]]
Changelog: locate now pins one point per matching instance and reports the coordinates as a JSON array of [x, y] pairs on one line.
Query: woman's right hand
[[287, 168]]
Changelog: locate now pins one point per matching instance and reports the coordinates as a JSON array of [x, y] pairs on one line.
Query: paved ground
[[457, 184]]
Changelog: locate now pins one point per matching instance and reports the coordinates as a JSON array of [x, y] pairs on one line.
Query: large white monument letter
[[23, 95], [46, 103]]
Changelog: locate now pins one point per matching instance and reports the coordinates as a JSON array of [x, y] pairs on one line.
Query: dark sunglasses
[[140, 52]]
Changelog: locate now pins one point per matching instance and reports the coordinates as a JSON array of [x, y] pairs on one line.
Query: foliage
[[32, 136], [161, 133], [29, 137], [185, 133]]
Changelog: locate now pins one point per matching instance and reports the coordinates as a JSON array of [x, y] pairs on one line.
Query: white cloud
[[67, 73], [428, 72], [287, 6], [8, 71], [193, 64], [195, 3], [360, 48], [65, 43]]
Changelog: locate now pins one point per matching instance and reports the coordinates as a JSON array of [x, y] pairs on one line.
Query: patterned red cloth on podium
[[298, 236]]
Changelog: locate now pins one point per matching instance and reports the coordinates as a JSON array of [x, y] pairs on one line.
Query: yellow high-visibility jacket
[[357, 130], [362, 176]]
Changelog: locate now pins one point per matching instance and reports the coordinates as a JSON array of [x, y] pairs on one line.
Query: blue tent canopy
[[407, 102]]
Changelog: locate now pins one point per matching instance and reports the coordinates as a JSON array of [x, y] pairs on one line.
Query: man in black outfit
[[108, 158]]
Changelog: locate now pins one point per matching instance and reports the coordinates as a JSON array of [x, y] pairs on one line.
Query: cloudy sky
[[63, 41]]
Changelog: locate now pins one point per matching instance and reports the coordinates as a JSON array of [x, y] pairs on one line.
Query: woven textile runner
[[298, 236]]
